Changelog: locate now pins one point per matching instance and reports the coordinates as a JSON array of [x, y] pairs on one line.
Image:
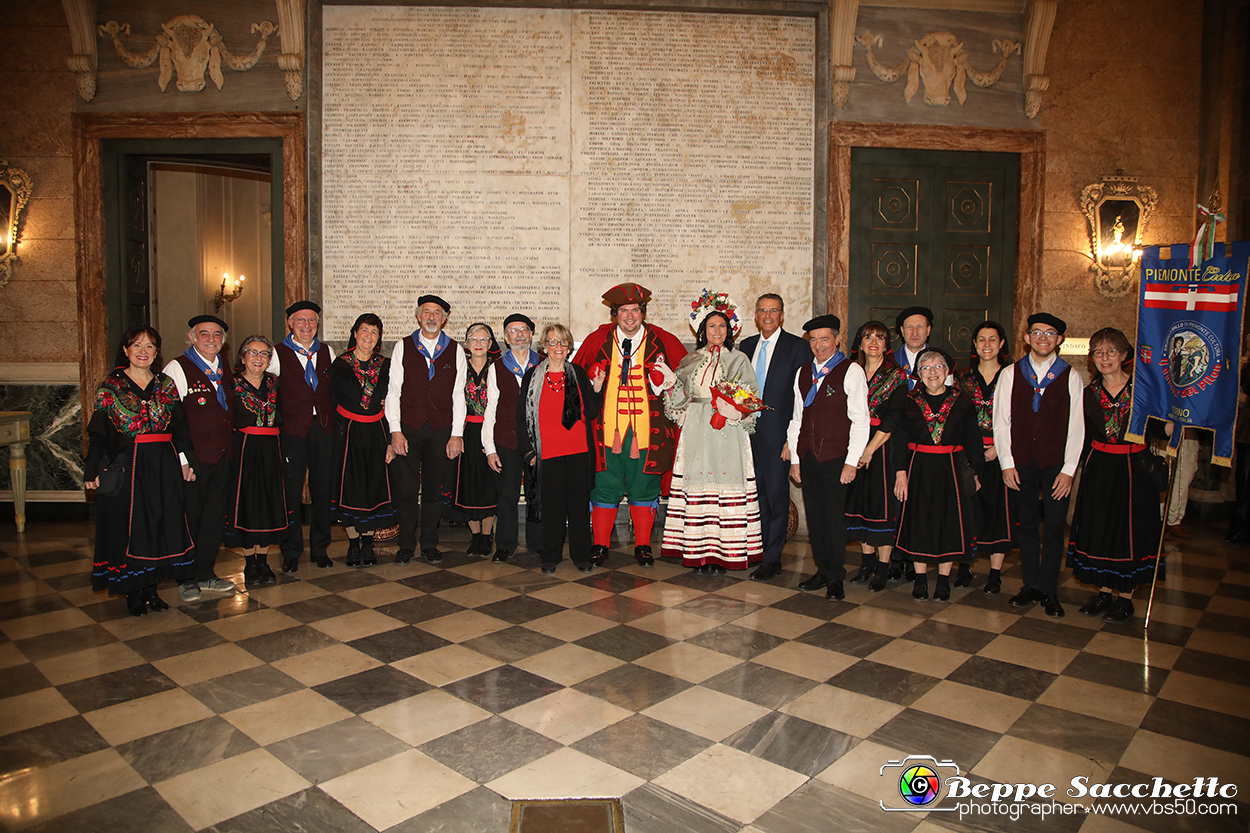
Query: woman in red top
[[558, 406]]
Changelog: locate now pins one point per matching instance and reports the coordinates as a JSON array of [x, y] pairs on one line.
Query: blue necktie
[[761, 364]]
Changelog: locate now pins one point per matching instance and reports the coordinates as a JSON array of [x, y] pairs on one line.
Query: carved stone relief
[[188, 46], [842, 48], [81, 17], [937, 60]]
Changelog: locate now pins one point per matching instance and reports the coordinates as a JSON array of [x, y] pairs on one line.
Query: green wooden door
[[936, 229]]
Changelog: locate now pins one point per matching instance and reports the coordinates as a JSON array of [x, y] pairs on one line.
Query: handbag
[[1157, 468], [112, 475]]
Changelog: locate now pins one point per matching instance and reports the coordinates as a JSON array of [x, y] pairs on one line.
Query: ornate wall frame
[[15, 189], [1116, 212]]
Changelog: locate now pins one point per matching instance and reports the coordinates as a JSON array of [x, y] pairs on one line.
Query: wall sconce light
[[15, 188], [1116, 212], [223, 297]]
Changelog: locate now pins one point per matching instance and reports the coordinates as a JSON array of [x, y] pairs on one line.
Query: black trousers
[[507, 525], [206, 512], [772, 482], [417, 478], [1041, 554], [566, 499], [314, 453], [824, 501]]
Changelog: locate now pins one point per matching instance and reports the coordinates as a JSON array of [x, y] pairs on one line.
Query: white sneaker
[[217, 585], [189, 591]]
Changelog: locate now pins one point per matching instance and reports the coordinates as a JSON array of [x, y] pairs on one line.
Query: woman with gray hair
[[256, 514], [554, 423], [471, 489]]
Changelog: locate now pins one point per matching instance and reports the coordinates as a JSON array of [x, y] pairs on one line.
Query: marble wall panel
[[54, 457]]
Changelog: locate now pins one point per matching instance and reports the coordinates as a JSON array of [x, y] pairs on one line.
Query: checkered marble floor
[[414, 698]]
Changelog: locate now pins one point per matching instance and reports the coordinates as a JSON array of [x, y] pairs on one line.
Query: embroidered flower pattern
[[129, 412], [262, 403], [935, 422], [884, 382], [366, 375], [1115, 411], [969, 379]]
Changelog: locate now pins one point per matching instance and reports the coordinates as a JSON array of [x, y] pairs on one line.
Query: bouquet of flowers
[[736, 398]]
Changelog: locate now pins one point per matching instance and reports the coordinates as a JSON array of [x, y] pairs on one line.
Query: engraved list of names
[[527, 159]]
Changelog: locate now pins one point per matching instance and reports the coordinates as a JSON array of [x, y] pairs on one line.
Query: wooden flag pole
[[1173, 465]]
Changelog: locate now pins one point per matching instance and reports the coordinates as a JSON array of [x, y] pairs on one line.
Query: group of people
[[924, 463]]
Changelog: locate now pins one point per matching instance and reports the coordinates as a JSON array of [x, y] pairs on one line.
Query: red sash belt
[[874, 421], [474, 418], [987, 441], [355, 417], [154, 438], [1118, 448], [935, 449], [264, 432]]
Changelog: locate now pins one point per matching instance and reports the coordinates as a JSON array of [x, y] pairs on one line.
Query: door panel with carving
[[937, 229]]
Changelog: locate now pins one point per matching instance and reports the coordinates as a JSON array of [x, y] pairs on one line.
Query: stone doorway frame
[[90, 133], [1029, 144]]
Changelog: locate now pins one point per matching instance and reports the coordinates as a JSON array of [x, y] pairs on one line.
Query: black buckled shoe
[[1120, 612], [598, 555], [643, 556], [154, 602], [368, 558], [136, 604], [717, 569], [942, 592], [502, 556], [992, 586], [290, 565], [353, 553], [323, 561], [431, 555], [1098, 605], [964, 577], [251, 574], [404, 555], [920, 591], [865, 573], [266, 573]]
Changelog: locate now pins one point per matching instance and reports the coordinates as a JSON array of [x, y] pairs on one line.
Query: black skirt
[[362, 483], [871, 507], [997, 511], [937, 523], [141, 532], [471, 490], [1115, 526], [256, 506]]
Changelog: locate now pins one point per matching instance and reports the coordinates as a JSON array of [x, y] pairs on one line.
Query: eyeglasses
[[551, 342], [479, 340], [933, 368], [251, 354], [1107, 354], [771, 311], [1043, 334], [516, 331]]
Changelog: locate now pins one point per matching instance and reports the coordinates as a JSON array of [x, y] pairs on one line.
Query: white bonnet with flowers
[[710, 302]]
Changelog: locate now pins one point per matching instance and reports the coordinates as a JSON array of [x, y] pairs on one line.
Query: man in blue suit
[[776, 356]]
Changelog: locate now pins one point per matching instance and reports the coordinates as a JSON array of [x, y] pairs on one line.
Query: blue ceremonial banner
[[1189, 343]]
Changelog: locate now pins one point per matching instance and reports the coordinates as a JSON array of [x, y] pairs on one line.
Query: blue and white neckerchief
[[439, 347], [819, 373], [510, 362], [310, 369], [1040, 385], [214, 376]]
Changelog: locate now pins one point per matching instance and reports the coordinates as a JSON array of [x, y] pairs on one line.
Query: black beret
[[820, 322], [209, 319], [908, 313], [516, 316], [299, 305], [433, 299], [1059, 324]]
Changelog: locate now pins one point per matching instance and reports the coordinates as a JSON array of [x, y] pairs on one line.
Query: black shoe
[[368, 558], [877, 584], [502, 556], [909, 571], [863, 575], [942, 592], [154, 602], [835, 593], [1098, 605], [353, 552], [1120, 612], [964, 578], [765, 571], [585, 567], [251, 574], [548, 569], [920, 591], [1053, 609], [136, 604], [266, 574], [643, 556], [290, 565], [431, 555], [480, 548], [992, 586], [896, 570], [702, 569], [1024, 598], [814, 583], [323, 561], [404, 556], [598, 555], [717, 569]]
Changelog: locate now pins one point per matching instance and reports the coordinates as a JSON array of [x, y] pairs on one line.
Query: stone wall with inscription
[[527, 159]]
